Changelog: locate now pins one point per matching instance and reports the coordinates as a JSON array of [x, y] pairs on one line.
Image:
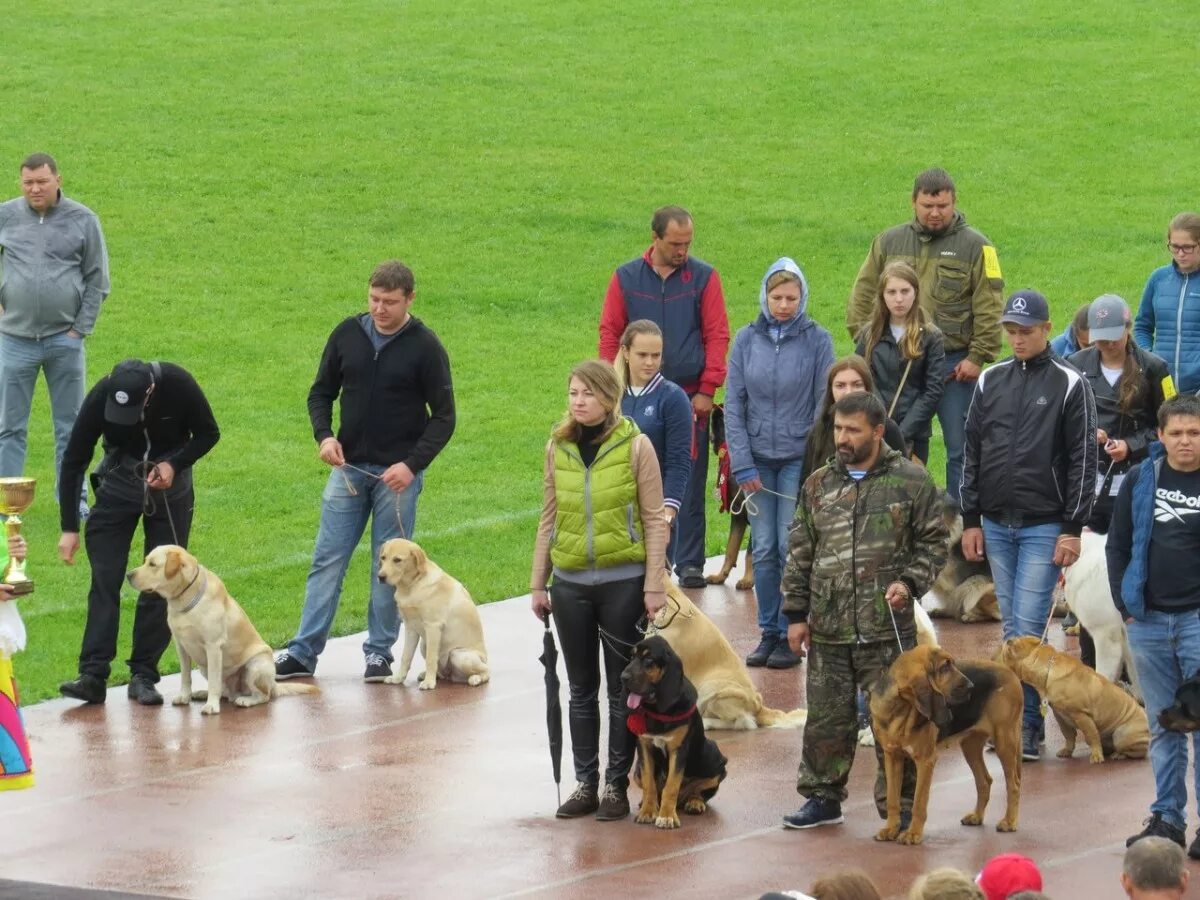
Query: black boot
[[142, 690], [88, 688]]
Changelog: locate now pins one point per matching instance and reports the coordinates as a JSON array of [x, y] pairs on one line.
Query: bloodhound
[[927, 700], [677, 764], [1081, 699]]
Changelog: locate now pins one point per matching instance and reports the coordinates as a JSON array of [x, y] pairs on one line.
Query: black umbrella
[[549, 659]]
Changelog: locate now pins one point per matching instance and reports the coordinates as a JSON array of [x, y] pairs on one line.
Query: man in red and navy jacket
[[682, 295]]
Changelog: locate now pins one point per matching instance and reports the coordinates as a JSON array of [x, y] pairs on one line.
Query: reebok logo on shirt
[[1174, 505]]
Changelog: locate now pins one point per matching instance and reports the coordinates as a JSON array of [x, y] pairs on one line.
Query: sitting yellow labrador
[[210, 628], [438, 612], [1110, 719]]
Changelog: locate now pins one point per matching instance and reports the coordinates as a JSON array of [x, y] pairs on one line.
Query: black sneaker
[[1031, 746], [692, 577], [583, 802], [760, 654], [814, 813], [378, 668], [287, 666], [614, 804], [143, 691], [782, 656], [1157, 826], [88, 688]]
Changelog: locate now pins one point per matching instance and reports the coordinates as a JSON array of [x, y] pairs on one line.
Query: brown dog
[[731, 498], [927, 700], [1082, 700]]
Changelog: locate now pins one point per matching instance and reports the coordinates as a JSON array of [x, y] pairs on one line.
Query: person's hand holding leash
[[1117, 450], [897, 595], [539, 602], [972, 544], [965, 371], [702, 405], [160, 476], [753, 486], [331, 452], [397, 477], [67, 545], [654, 601], [798, 638], [1066, 550]]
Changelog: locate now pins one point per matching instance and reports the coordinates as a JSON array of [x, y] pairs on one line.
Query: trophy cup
[[16, 495]]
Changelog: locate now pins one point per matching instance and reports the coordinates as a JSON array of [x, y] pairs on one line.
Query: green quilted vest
[[597, 523]]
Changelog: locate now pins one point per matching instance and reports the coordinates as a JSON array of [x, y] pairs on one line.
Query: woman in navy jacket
[[1168, 318], [776, 379]]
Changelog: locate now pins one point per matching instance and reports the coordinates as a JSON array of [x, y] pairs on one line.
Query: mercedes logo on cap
[[1018, 304]]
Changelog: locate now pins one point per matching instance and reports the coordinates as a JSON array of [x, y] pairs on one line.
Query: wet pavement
[[381, 791]]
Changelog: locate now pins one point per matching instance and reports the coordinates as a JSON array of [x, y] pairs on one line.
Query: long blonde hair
[[632, 330], [601, 379], [881, 316]]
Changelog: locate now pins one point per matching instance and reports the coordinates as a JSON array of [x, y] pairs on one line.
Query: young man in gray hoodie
[[53, 278]]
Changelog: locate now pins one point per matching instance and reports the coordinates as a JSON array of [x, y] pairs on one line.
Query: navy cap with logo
[[127, 391], [1026, 308]]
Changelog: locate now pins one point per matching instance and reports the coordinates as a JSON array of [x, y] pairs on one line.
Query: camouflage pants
[[836, 672]]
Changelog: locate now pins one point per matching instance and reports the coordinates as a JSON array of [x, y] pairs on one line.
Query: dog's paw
[[695, 807], [888, 832], [476, 680], [428, 684], [1006, 825], [971, 819], [866, 737], [716, 578], [1065, 753], [211, 709], [666, 821], [645, 817], [1097, 756], [395, 679], [181, 700], [911, 837], [744, 584], [199, 695]]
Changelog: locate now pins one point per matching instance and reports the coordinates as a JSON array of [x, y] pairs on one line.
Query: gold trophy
[[16, 496]]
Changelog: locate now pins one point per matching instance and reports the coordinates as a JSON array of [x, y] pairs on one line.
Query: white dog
[[437, 612]]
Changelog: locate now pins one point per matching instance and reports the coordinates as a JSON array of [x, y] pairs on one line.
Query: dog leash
[[353, 491], [149, 502], [748, 504]]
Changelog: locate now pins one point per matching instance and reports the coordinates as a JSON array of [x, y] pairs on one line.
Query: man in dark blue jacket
[[682, 295], [1154, 571], [391, 376]]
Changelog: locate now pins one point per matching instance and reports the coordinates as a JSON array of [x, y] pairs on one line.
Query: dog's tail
[[777, 718], [285, 689]]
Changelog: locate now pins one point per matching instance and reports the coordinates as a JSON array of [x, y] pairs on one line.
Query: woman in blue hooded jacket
[[777, 370], [1168, 318]]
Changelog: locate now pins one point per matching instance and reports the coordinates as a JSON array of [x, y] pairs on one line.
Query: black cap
[[1026, 308], [127, 391]]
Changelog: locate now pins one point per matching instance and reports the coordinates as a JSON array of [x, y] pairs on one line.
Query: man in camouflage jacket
[[868, 540]]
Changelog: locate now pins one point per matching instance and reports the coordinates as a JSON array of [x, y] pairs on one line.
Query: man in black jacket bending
[[392, 376], [1029, 477], [155, 423]]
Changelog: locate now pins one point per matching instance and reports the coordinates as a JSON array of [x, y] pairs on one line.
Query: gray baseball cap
[[1108, 317]]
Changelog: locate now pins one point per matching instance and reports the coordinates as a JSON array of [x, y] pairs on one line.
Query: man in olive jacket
[[868, 540], [962, 291]]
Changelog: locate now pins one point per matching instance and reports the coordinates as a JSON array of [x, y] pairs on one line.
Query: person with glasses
[[1168, 319]]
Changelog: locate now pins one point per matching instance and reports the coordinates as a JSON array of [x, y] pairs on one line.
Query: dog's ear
[[173, 564], [417, 562], [669, 689], [921, 695]]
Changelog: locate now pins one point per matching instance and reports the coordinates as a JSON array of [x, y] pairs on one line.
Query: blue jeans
[[1166, 651], [1023, 569], [686, 548], [343, 520], [770, 519], [63, 359], [952, 413]]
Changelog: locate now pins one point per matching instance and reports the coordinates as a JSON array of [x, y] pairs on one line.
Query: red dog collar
[[636, 721]]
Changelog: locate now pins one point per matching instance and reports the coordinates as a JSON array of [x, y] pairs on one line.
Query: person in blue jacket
[[1075, 336], [1168, 318], [662, 411], [777, 372]]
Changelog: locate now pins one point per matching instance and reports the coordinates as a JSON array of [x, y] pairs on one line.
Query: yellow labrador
[[211, 629], [438, 612]]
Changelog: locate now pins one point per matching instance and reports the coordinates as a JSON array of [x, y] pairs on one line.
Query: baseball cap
[[1108, 315], [1026, 308], [1007, 874], [127, 390]]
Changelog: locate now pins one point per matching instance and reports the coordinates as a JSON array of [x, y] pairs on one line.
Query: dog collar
[[636, 721], [200, 593]]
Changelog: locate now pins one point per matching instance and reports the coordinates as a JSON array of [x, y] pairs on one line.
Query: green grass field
[[251, 162]]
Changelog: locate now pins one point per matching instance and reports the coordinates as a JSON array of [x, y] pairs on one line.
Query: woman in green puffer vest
[[603, 535]]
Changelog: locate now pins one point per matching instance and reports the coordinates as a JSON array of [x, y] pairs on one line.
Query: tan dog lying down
[[726, 697], [438, 612], [212, 630], [1111, 721]]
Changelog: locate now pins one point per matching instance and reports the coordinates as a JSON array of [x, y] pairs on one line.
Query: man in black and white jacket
[[1029, 477]]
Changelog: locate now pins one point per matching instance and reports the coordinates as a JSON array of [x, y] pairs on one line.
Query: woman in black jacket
[[906, 355], [1129, 384]]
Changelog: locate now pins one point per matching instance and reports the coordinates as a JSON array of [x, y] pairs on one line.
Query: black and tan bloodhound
[[677, 764], [927, 700]]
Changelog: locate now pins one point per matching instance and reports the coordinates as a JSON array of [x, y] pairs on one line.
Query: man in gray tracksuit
[[53, 278]]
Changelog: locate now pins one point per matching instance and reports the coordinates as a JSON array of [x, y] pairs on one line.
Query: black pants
[[687, 541], [579, 612], [108, 535]]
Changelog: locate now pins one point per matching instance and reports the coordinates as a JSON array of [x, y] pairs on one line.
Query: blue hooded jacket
[[776, 381], [1065, 344], [1168, 324], [1127, 573]]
